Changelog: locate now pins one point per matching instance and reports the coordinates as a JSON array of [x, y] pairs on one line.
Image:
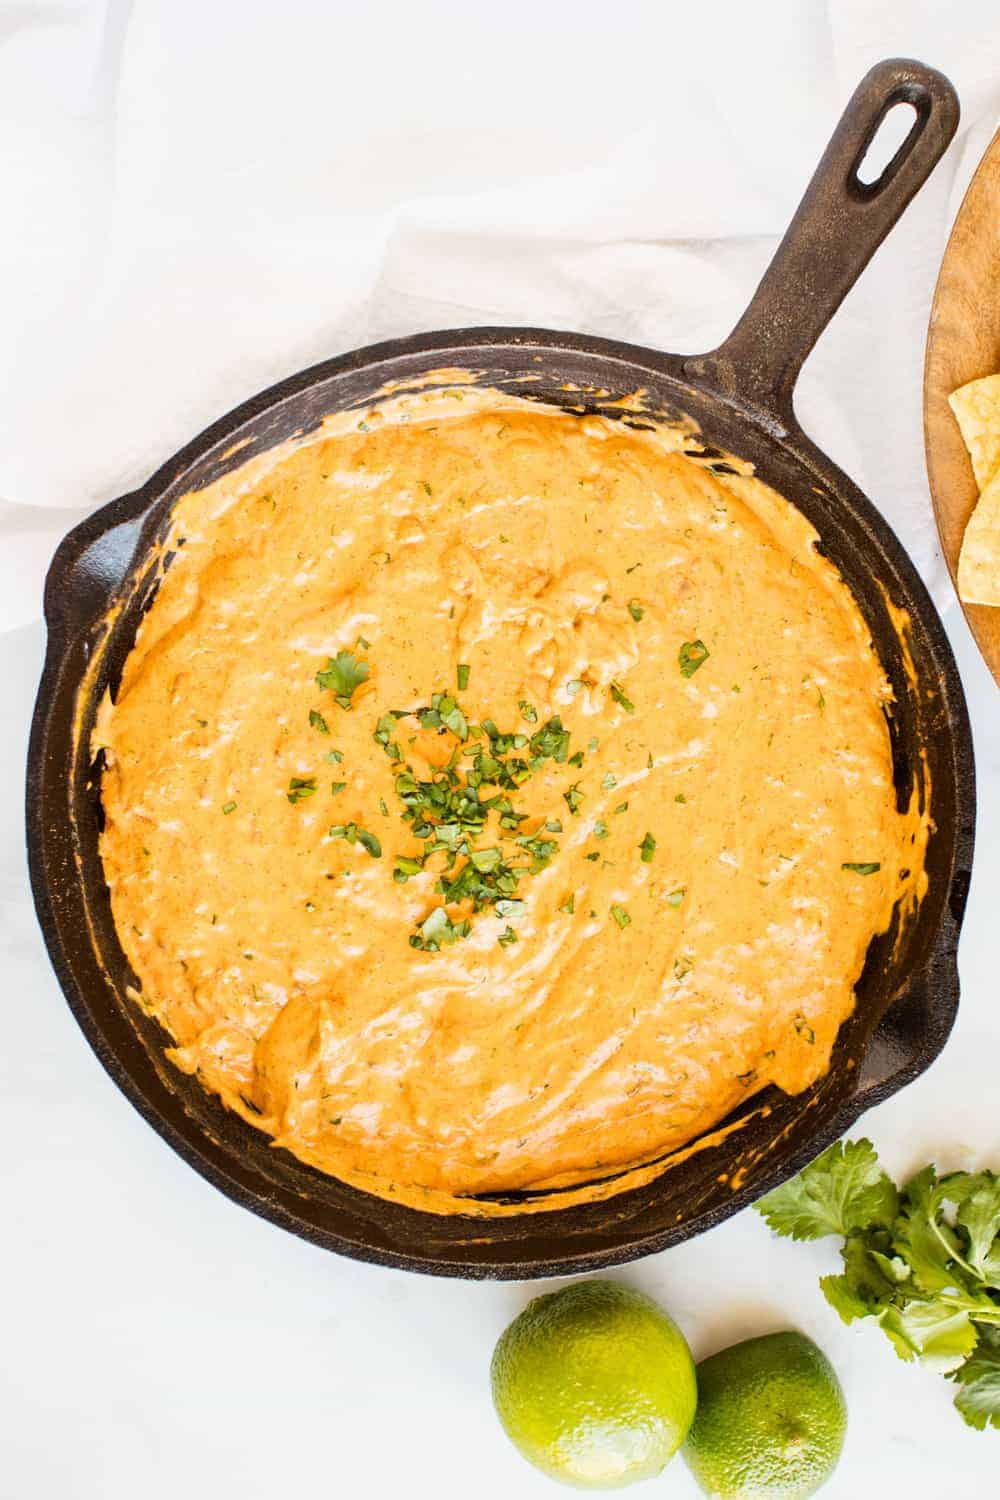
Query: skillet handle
[[837, 228], [90, 564], [916, 1025]]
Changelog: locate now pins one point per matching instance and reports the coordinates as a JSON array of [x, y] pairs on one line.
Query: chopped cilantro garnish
[[507, 937], [301, 787], [636, 610], [804, 1029], [863, 869], [384, 731], [444, 713], [690, 657], [370, 842], [569, 905], [608, 782], [620, 915], [355, 835], [551, 742], [342, 676], [600, 829], [619, 697], [438, 928], [334, 757], [337, 787], [592, 857], [462, 676], [228, 807], [680, 797], [451, 807], [621, 808], [647, 848], [576, 759], [406, 866], [318, 722], [573, 798]]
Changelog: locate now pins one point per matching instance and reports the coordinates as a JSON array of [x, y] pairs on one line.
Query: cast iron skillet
[[741, 397]]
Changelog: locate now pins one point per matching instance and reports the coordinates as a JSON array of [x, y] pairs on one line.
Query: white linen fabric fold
[[201, 199]]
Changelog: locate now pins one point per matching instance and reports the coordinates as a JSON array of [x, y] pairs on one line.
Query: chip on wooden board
[[977, 411], [979, 559]]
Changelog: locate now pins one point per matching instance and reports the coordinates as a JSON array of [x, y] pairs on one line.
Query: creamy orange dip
[[663, 899]]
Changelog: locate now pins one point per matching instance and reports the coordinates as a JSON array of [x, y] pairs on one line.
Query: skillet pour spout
[[740, 395]]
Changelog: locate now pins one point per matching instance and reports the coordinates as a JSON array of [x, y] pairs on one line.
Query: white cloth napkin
[[201, 199]]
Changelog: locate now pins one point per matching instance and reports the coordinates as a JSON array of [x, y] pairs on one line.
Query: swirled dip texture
[[699, 871]]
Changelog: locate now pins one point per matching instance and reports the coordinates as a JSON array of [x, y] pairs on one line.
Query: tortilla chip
[[979, 559], [977, 411]]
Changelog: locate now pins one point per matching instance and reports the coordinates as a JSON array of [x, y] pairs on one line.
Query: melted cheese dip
[[695, 934]]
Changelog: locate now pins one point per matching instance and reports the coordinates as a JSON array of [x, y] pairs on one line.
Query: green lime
[[770, 1422], [594, 1384]]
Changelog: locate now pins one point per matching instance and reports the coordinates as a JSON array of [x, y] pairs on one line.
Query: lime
[[594, 1384], [770, 1422]]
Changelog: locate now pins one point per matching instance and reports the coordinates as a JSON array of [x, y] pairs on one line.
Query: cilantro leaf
[[573, 798], [935, 1332], [870, 1278], [438, 928], [691, 656], [843, 1189], [843, 1298], [924, 1237], [370, 842], [343, 675], [978, 1213], [301, 787], [978, 1398]]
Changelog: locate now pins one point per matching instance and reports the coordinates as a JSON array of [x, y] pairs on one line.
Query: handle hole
[[889, 142]]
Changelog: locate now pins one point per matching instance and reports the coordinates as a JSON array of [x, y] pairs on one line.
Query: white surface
[[201, 198]]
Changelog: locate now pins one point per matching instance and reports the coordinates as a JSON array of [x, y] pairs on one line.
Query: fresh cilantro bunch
[[924, 1261]]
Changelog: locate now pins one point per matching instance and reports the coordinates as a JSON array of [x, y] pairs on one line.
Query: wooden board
[[963, 343]]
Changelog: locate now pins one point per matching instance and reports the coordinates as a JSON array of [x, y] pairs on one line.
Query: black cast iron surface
[[741, 398]]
